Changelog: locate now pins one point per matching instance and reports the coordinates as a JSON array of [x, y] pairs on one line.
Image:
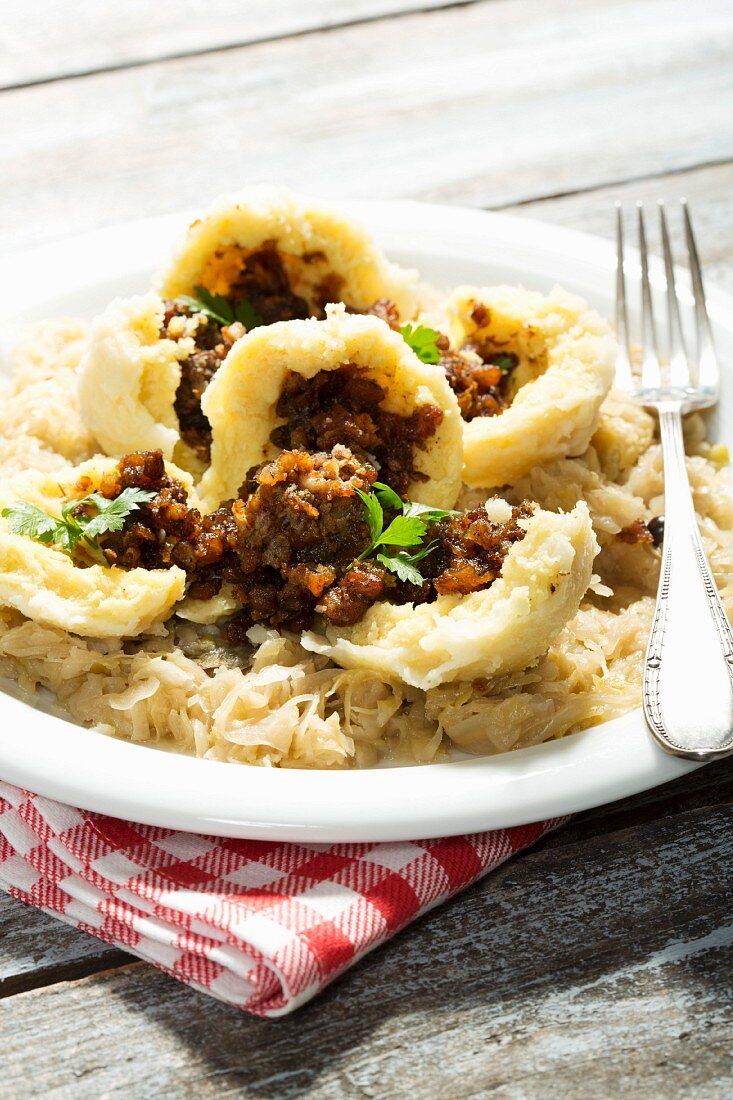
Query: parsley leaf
[[215, 306], [423, 342], [111, 514], [506, 361], [220, 308], [247, 315], [374, 514], [430, 515], [407, 529], [387, 497], [26, 519], [75, 526], [403, 531], [404, 564]]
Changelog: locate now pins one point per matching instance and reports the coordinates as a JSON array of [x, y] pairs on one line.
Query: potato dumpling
[[241, 401], [44, 584], [324, 256], [129, 377], [498, 630], [566, 363]]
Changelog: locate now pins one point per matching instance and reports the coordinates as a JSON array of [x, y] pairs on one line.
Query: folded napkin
[[262, 925]]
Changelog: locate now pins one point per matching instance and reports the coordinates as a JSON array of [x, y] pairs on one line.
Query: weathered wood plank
[[710, 194], [488, 104], [595, 966], [37, 950], [46, 40]]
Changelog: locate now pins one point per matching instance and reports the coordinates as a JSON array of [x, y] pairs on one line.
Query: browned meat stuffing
[[212, 341], [165, 531], [344, 406], [478, 379], [288, 546], [264, 285], [386, 310], [471, 549], [263, 282], [298, 530]]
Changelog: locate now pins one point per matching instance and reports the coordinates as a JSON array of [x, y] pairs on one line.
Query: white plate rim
[[83, 768]]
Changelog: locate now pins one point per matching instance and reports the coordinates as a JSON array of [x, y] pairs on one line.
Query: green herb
[[220, 308], [505, 361], [402, 531], [247, 315], [407, 530], [389, 499], [403, 564], [76, 528], [26, 519], [423, 342]]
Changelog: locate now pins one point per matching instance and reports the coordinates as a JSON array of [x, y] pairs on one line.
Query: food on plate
[[266, 513], [52, 567], [130, 375], [349, 379], [255, 258], [500, 627], [285, 257], [530, 372]]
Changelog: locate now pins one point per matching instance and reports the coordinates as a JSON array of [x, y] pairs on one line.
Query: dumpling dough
[[129, 377], [44, 584], [240, 401], [321, 251], [566, 366], [502, 629]]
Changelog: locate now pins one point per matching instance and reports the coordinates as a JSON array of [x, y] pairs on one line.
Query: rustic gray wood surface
[[600, 963]]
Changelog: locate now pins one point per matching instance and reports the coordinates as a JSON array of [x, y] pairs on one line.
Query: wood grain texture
[[593, 965], [47, 41], [709, 191], [599, 963], [36, 950], [489, 104]]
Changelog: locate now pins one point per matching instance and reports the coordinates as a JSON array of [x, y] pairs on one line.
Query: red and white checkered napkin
[[264, 926]]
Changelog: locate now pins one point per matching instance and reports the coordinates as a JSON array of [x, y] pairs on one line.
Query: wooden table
[[599, 963]]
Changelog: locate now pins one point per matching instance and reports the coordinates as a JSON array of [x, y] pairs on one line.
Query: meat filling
[[478, 377], [263, 283], [212, 341], [471, 549], [289, 546], [263, 288], [345, 406]]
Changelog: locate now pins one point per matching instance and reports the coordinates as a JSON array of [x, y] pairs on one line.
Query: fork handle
[[688, 671]]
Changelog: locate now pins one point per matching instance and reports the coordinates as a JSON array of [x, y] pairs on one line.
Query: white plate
[[60, 760]]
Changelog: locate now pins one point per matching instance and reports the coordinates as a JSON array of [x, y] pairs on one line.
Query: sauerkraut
[[271, 702]]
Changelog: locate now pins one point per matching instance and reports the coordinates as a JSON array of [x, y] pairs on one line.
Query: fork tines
[[681, 371]]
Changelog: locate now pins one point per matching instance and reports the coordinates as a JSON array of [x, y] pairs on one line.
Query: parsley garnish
[[423, 342], [506, 361], [407, 530], [75, 528], [220, 308], [404, 564]]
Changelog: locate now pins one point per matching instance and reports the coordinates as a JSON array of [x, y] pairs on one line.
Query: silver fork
[[688, 670]]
